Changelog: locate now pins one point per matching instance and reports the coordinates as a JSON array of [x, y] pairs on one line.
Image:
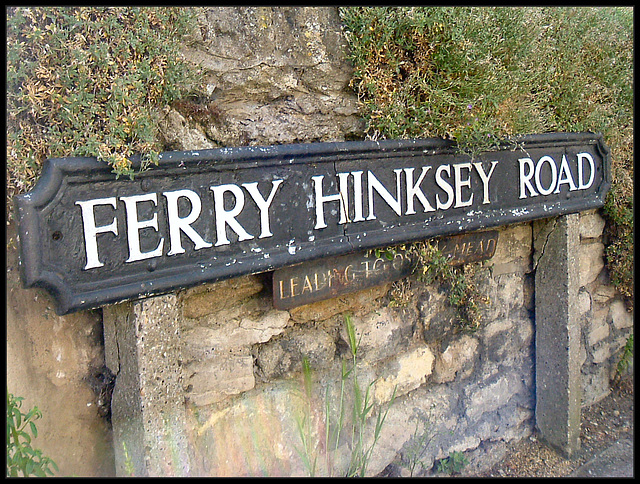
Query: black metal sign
[[202, 216], [334, 276]]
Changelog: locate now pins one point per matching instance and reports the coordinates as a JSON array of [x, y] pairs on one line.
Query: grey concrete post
[[142, 347], [558, 384]]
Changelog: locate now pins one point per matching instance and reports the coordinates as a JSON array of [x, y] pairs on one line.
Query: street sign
[[201, 216]]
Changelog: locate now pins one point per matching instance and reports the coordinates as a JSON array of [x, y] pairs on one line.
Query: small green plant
[[452, 464], [22, 459], [625, 358], [433, 266], [415, 450], [128, 462], [334, 427]]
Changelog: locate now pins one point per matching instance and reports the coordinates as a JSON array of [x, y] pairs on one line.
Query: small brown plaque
[[467, 248], [327, 278], [331, 277]]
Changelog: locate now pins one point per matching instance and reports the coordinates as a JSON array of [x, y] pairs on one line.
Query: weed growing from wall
[[414, 451], [625, 358], [452, 464], [433, 267], [89, 81], [480, 75], [319, 453], [22, 459]]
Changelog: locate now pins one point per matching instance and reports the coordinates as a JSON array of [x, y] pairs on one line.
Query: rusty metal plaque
[[466, 248], [202, 216], [334, 276], [331, 277]]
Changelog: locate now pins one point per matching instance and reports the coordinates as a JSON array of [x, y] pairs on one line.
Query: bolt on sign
[[202, 216]]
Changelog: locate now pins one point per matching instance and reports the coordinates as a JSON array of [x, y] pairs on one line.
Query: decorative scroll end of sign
[[328, 278]]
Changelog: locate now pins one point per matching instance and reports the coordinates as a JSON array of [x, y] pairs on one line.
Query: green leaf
[[351, 334]]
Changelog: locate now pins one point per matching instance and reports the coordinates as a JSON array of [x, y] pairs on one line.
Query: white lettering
[[228, 217], [460, 183], [321, 199], [374, 184], [357, 195], [565, 176], [589, 158], [263, 204], [344, 198], [554, 175], [525, 179], [445, 186], [91, 231], [414, 190], [177, 223], [134, 225], [485, 179]]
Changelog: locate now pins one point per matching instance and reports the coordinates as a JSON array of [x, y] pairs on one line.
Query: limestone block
[[495, 327], [213, 380], [284, 83], [591, 262], [591, 225], [597, 333], [430, 304], [506, 423], [602, 294], [398, 429], [255, 435], [203, 300], [513, 251], [595, 386], [601, 352], [509, 293], [505, 339], [616, 346], [526, 331], [200, 340], [457, 360], [380, 333], [620, 316], [584, 302], [277, 358], [438, 318], [582, 355], [179, 127], [405, 373], [490, 396]]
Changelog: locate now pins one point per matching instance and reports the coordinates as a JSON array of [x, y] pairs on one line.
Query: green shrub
[[478, 75], [89, 81]]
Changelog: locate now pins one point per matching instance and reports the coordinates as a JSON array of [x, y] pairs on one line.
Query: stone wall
[[606, 324], [473, 391], [209, 380]]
